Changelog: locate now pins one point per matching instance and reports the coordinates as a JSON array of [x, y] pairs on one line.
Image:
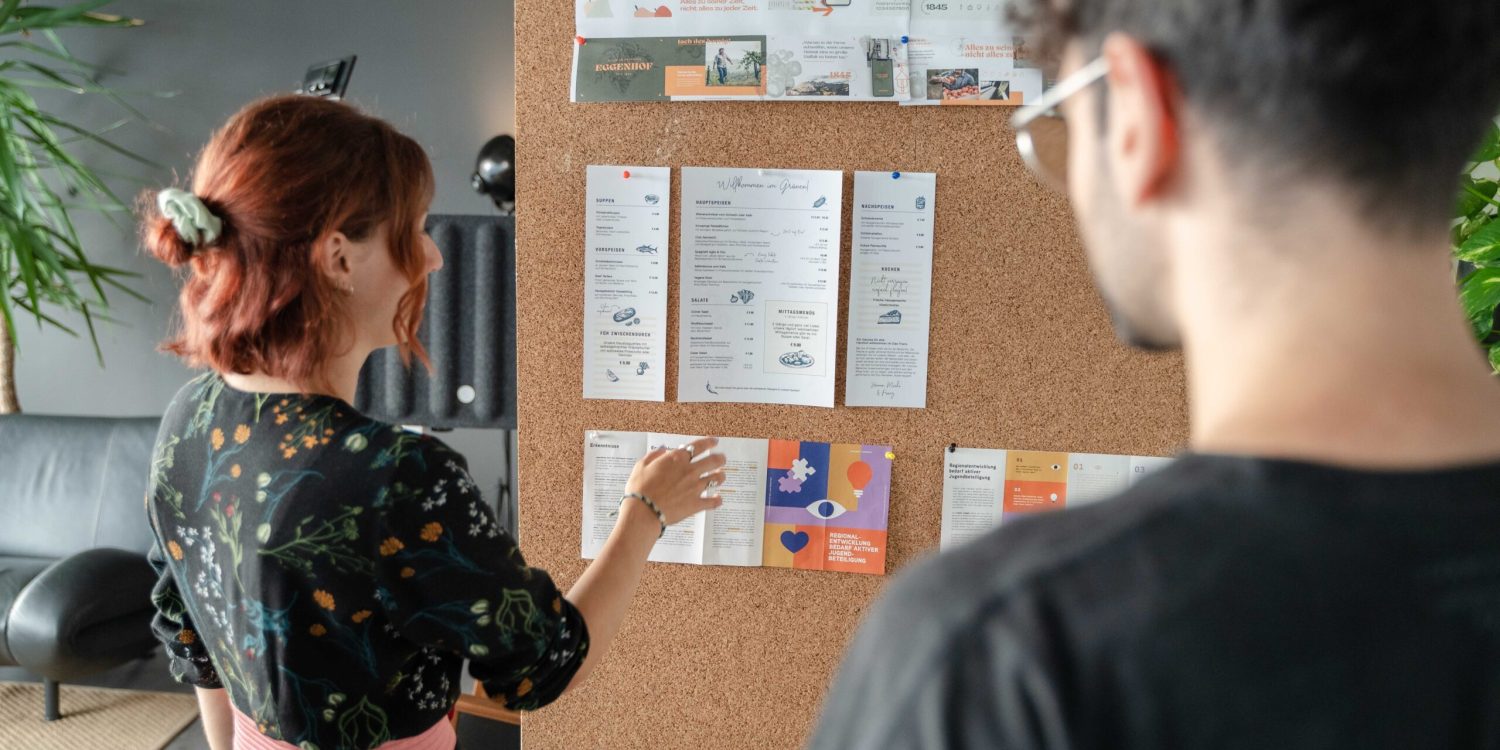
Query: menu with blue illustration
[[758, 298], [787, 503]]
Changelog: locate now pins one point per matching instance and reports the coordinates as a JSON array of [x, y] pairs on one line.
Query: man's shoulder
[[992, 624], [1100, 547]]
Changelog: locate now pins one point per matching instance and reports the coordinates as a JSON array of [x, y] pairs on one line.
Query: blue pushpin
[[895, 175], [904, 39]]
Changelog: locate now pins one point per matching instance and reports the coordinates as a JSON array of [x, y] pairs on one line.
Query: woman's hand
[[682, 481]]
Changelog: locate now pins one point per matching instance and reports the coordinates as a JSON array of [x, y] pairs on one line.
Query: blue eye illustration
[[826, 509]]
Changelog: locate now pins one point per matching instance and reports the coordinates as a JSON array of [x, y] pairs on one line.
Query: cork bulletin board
[[1022, 357]]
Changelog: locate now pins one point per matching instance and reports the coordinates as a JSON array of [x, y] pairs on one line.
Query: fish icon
[[820, 201], [652, 200], [613, 378], [646, 249]]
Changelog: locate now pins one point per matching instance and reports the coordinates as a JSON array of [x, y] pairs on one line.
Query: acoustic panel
[[469, 329]]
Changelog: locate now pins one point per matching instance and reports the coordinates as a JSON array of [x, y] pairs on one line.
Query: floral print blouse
[[333, 572]]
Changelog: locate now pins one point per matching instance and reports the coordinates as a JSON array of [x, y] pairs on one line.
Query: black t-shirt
[[1224, 602]]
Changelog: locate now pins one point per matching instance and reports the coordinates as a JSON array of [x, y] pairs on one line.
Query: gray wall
[[442, 71]]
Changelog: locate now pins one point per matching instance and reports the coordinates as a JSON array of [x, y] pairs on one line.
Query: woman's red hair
[[283, 174]]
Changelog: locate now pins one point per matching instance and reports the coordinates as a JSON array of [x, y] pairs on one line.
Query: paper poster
[[787, 503], [790, 50], [906, 51], [972, 482], [759, 286], [890, 289], [963, 53], [982, 488], [625, 282]]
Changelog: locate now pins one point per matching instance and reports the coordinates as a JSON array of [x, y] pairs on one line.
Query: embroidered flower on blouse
[[360, 616], [175, 549], [432, 531], [217, 438], [241, 434], [323, 598], [391, 546]]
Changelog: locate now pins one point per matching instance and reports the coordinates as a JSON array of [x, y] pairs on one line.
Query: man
[[1267, 185], [721, 64]]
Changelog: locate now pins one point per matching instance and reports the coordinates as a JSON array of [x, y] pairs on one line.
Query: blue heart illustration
[[794, 540]]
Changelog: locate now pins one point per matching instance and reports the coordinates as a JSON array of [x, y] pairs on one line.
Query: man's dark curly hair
[[1386, 98]]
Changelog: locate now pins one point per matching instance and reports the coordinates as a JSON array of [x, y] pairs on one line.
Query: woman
[[323, 575]]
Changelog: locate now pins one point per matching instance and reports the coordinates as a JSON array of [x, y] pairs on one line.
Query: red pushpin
[[581, 41], [627, 174]]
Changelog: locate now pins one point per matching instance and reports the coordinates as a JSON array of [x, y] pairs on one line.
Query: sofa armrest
[[85, 613]]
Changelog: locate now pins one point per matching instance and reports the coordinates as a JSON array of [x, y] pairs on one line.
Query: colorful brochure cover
[[787, 503]]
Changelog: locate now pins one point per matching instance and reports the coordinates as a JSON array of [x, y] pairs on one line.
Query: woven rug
[[92, 718]]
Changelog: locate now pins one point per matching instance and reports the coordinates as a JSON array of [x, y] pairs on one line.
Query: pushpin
[[953, 447], [895, 175], [581, 41], [627, 174], [904, 40]]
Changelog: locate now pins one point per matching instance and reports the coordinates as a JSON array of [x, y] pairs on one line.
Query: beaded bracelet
[[660, 516]]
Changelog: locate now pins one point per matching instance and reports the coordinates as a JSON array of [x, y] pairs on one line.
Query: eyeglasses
[[1041, 133]]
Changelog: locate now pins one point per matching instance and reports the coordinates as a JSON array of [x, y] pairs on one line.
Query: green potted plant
[[1476, 244], [46, 272]]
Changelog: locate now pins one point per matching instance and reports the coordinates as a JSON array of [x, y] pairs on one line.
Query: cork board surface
[[1022, 357]]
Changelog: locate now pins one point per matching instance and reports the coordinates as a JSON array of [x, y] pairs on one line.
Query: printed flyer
[[907, 51], [759, 293], [962, 53], [687, 50], [625, 282], [890, 294], [984, 487], [787, 503]]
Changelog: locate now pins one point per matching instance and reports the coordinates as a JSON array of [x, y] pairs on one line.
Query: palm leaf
[[42, 260]]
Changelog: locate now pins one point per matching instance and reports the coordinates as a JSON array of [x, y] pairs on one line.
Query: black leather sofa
[[75, 587]]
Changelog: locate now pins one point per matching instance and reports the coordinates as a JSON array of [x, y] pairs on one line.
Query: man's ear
[[332, 254], [1142, 120]]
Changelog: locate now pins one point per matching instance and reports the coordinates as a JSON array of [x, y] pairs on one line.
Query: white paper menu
[[982, 488], [758, 298], [625, 282], [890, 289]]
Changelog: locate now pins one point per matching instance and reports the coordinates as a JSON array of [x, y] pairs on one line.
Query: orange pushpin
[[581, 41], [627, 174]]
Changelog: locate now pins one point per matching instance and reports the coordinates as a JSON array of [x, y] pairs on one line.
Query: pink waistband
[[439, 736]]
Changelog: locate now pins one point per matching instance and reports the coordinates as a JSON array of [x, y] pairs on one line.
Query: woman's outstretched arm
[[676, 483]]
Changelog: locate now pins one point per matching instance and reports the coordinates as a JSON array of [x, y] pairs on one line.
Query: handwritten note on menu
[[890, 289], [625, 283], [983, 487], [759, 291]]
